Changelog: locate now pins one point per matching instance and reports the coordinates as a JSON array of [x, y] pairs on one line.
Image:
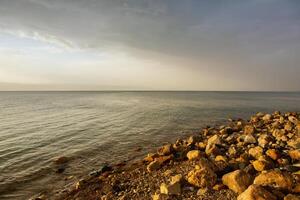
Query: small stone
[[293, 119], [194, 139], [255, 192], [249, 139], [291, 197], [261, 165], [168, 172], [61, 160], [256, 152], [294, 154], [202, 191], [211, 145], [219, 187], [272, 153], [172, 188], [79, 184], [294, 143], [221, 158], [160, 197], [165, 150], [249, 129], [154, 165], [275, 179], [238, 181], [267, 117], [176, 179], [263, 140], [194, 154]]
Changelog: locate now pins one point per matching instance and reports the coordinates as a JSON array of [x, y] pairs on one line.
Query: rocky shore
[[258, 159]]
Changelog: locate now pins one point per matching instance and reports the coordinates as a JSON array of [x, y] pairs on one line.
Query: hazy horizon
[[149, 45]]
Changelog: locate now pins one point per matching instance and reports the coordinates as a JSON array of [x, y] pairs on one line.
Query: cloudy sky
[[149, 45]]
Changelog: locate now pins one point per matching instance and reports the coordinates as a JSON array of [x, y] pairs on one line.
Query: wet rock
[[256, 152], [292, 197], [202, 177], [255, 192], [275, 179], [60, 169], [165, 150], [194, 154], [295, 154], [61, 160], [154, 165], [238, 181]]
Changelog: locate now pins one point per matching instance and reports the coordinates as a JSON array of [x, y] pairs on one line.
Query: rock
[[202, 177], [160, 197], [194, 139], [273, 154], [79, 184], [255, 192], [278, 134], [249, 129], [211, 145], [291, 197], [288, 126], [256, 152], [275, 179], [267, 117], [295, 154], [165, 150], [249, 139], [154, 165], [293, 119], [61, 160], [238, 181], [194, 154], [172, 188], [177, 178], [294, 143], [163, 159], [261, 165], [202, 191], [150, 157], [263, 140], [221, 158]]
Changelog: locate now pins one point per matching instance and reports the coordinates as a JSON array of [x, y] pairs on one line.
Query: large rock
[[275, 179], [202, 177], [211, 147], [194, 154], [238, 181], [255, 192], [295, 154], [256, 152]]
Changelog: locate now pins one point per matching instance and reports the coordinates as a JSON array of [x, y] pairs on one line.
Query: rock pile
[[258, 159]]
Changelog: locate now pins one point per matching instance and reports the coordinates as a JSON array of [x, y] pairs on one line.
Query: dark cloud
[[239, 38]]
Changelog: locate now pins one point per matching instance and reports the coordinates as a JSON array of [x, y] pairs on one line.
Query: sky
[[251, 45]]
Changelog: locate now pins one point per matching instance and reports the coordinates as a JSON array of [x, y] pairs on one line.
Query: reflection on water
[[96, 127]]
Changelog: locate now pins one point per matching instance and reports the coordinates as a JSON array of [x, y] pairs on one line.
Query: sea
[[94, 129]]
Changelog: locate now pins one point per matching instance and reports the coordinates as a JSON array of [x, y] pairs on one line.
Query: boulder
[[255, 192], [202, 177], [256, 152], [194, 154], [238, 181], [275, 179], [154, 165]]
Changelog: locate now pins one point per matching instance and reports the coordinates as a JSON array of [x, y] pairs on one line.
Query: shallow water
[[97, 127]]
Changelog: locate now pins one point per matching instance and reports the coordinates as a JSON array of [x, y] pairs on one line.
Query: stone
[[261, 165], [249, 129], [278, 134], [194, 154], [264, 140], [172, 188], [61, 160], [292, 197], [194, 139], [288, 126], [273, 154], [79, 184], [275, 179], [256, 152], [202, 191], [202, 177], [293, 119], [294, 143], [249, 139], [165, 150], [255, 192], [177, 178], [154, 165], [267, 117], [221, 158], [160, 197], [294, 154], [238, 181], [211, 145]]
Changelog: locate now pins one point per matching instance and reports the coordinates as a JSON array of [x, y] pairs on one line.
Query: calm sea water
[[97, 127]]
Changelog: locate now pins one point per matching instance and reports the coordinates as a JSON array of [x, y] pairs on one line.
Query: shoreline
[[239, 160]]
